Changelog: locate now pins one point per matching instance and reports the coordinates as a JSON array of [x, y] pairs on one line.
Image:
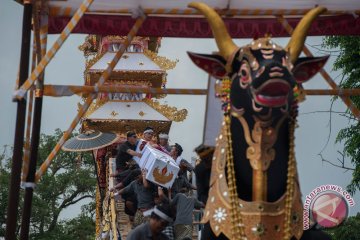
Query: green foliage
[[348, 62], [349, 230], [69, 180]]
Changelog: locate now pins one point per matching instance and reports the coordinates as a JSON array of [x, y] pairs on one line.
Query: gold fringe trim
[[172, 113], [162, 62], [92, 61], [93, 107], [98, 212]]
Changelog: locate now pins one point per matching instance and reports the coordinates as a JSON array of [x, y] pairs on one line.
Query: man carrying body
[[147, 139], [144, 192], [126, 152], [181, 181], [163, 144], [175, 153]]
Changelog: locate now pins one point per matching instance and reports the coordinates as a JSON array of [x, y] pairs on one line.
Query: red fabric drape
[[199, 28]]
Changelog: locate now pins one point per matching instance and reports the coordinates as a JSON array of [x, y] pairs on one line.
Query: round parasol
[[90, 140]]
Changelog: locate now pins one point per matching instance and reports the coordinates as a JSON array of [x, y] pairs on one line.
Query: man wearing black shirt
[[126, 152], [203, 171]]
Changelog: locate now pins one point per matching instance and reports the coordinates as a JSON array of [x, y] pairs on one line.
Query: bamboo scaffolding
[[20, 93], [233, 12], [61, 90], [36, 125], [26, 155], [69, 90], [105, 75], [39, 50], [16, 165]]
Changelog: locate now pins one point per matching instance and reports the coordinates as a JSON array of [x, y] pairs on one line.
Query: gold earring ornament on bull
[[225, 94], [299, 94]]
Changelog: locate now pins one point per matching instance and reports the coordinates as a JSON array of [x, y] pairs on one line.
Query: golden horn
[[298, 36], [221, 35]]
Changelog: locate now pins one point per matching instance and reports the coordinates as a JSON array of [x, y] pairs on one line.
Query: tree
[[348, 230], [67, 182], [348, 62]]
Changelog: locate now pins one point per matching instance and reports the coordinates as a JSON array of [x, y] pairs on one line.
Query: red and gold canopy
[[174, 19]]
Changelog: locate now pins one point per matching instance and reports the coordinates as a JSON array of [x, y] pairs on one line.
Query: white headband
[[163, 136], [162, 215], [148, 131]]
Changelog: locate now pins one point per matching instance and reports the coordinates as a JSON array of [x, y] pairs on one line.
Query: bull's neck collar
[[260, 139]]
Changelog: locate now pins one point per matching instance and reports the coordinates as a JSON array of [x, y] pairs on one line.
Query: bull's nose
[[276, 72], [276, 69]]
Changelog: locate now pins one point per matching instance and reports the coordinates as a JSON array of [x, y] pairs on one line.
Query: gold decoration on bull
[[299, 94], [237, 228], [225, 94], [162, 62], [291, 179]]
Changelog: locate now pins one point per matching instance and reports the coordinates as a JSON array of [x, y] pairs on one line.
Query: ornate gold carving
[[161, 177], [114, 114], [130, 83], [260, 151], [123, 126], [90, 45], [98, 211], [162, 62], [92, 61], [94, 106], [276, 217], [170, 112], [123, 38], [141, 113], [156, 79]]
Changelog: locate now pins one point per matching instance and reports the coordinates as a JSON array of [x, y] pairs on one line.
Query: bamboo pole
[[14, 188], [105, 75], [335, 92], [61, 90], [19, 94], [26, 157], [112, 169], [35, 133]]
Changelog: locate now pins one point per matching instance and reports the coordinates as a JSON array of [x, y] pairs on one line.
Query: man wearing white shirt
[[175, 153]]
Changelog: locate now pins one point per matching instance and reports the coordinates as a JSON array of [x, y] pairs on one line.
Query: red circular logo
[[329, 209]]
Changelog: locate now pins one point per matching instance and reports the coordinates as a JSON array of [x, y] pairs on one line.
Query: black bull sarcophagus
[[254, 191]]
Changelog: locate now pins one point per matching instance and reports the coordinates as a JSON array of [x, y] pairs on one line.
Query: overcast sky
[[68, 65]]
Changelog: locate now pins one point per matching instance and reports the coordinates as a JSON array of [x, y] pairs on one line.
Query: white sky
[[68, 65]]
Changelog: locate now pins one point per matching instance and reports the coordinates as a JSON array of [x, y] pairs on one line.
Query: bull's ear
[[212, 64], [306, 68]]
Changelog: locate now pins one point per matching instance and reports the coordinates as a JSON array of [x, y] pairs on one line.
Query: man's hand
[[138, 154]]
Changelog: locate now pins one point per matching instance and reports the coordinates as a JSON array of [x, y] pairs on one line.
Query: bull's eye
[[244, 75]]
